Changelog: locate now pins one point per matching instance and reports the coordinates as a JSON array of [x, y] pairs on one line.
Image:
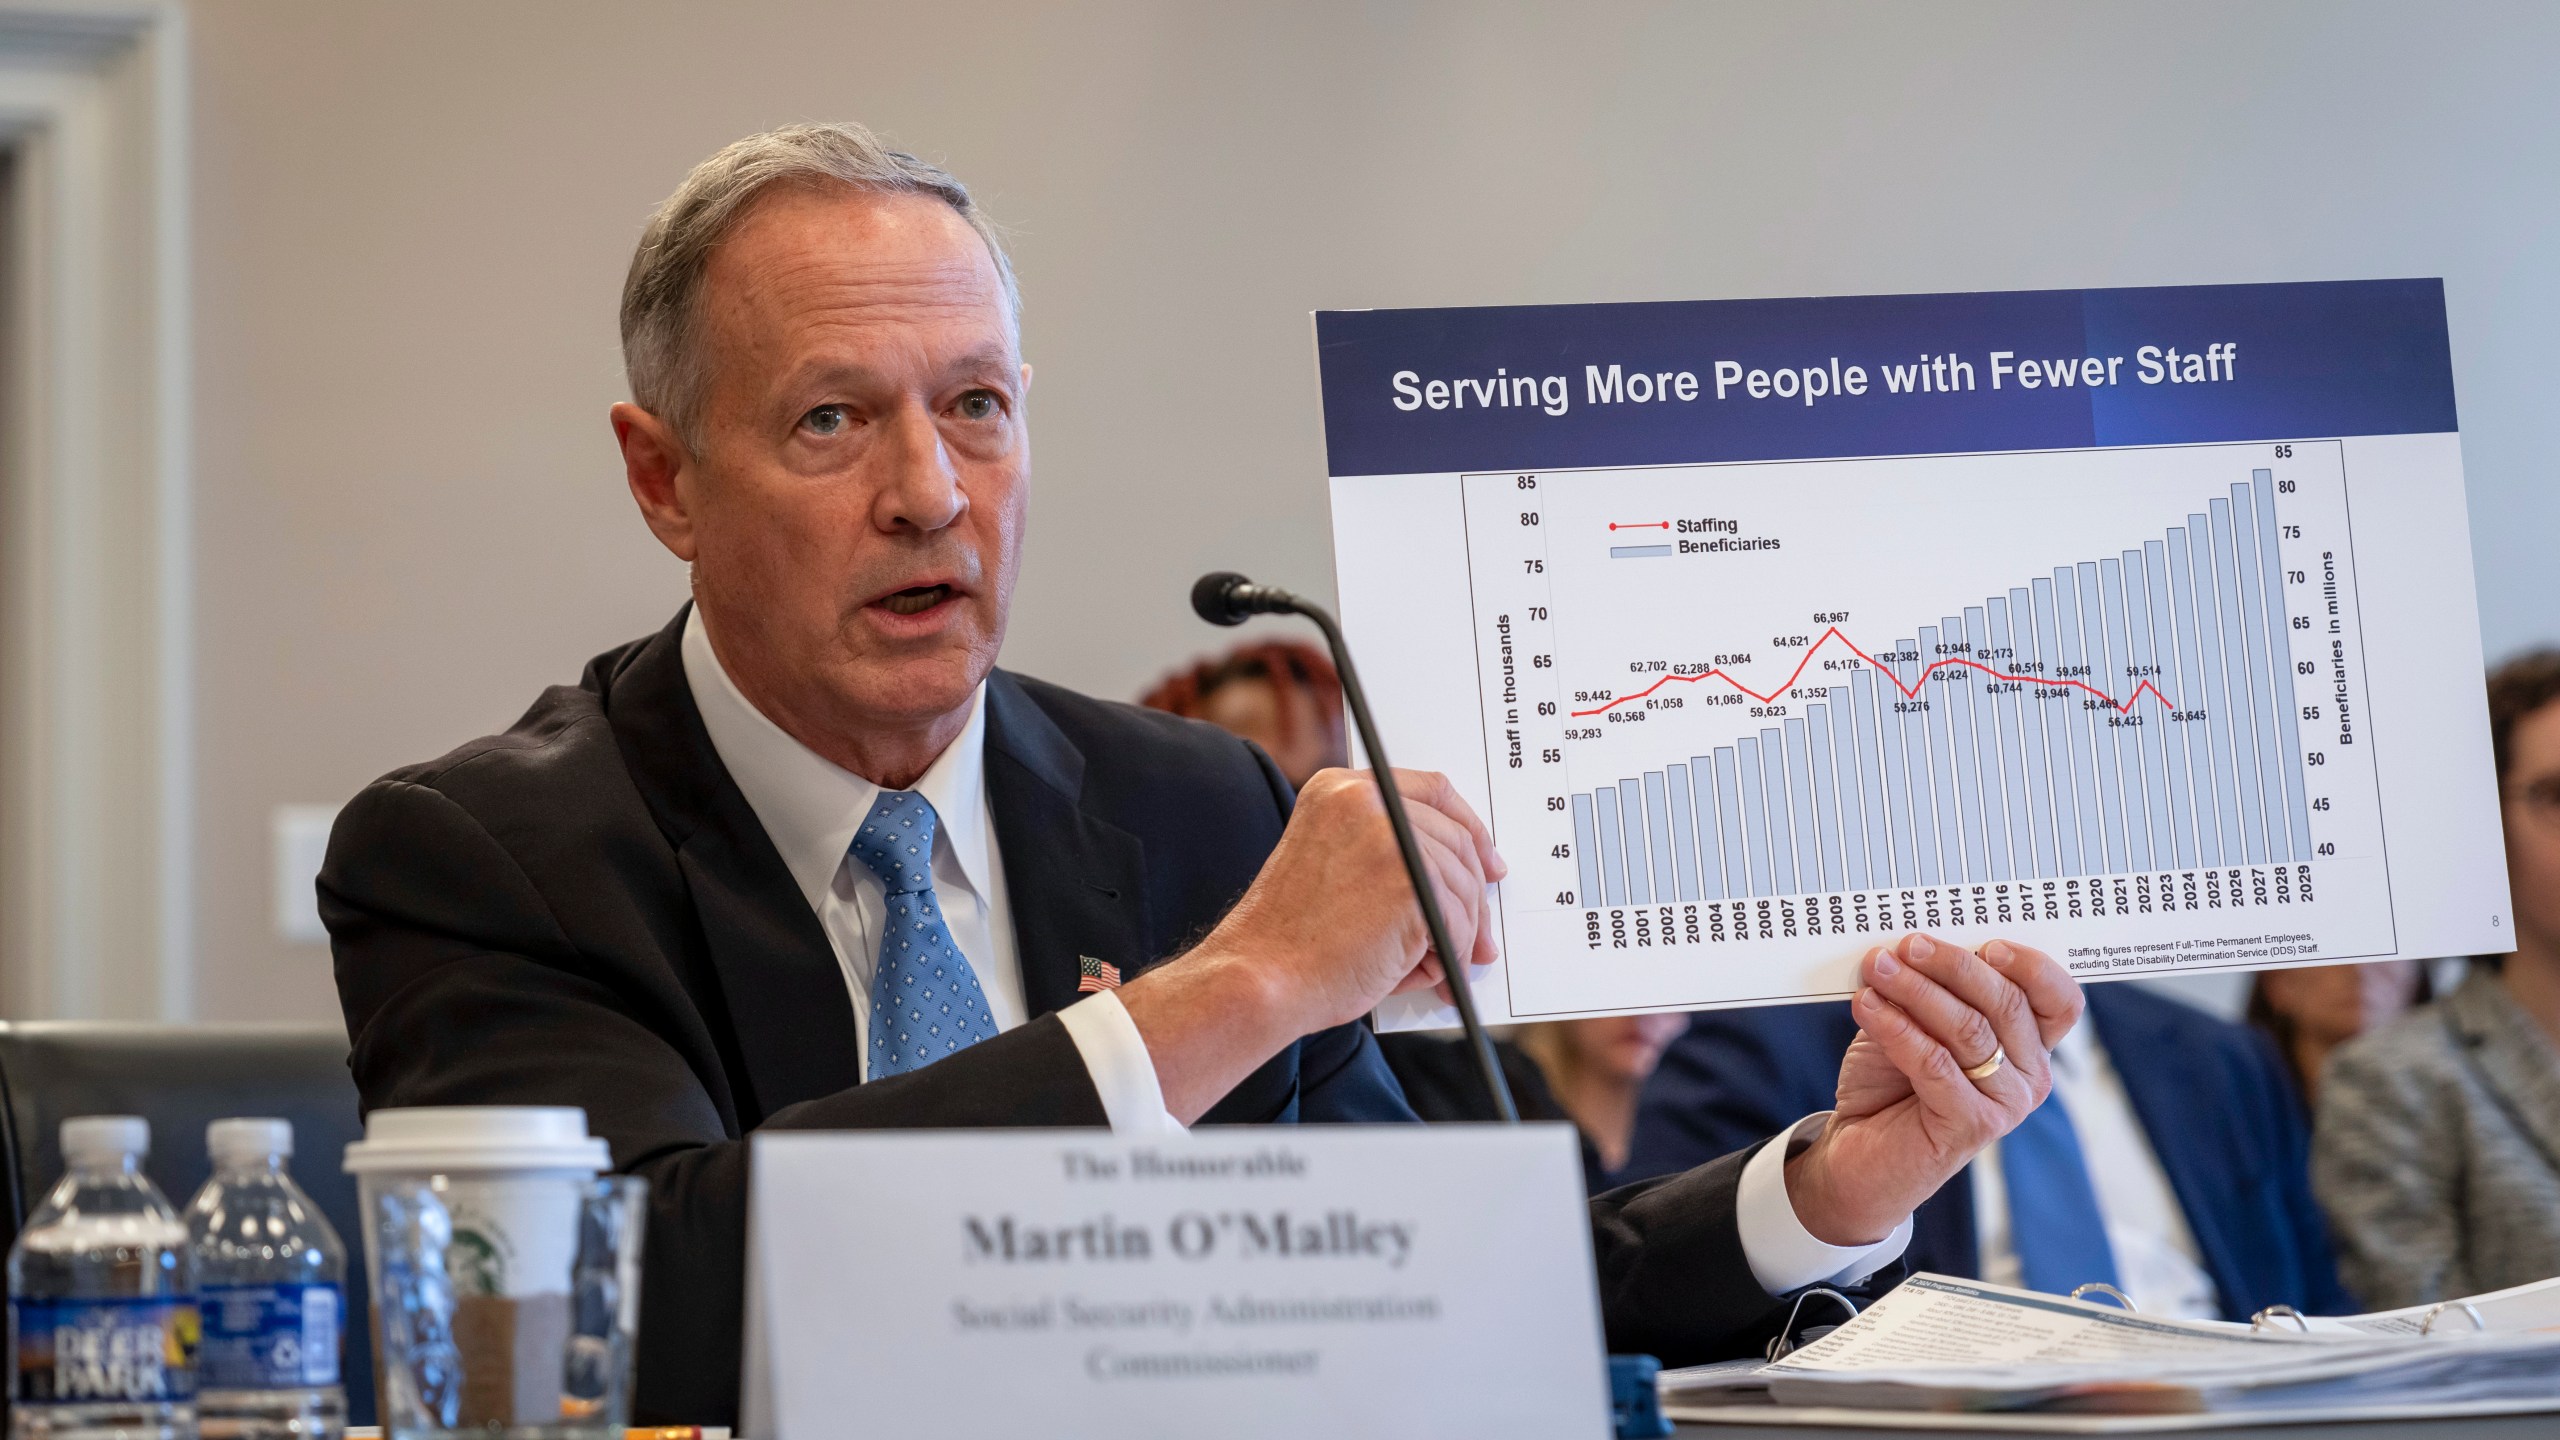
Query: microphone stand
[[1452, 964]]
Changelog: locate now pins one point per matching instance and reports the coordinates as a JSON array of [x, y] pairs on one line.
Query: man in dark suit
[[2185, 1128], [806, 860]]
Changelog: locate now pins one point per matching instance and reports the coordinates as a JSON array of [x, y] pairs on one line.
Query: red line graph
[[1641, 525], [1908, 691]]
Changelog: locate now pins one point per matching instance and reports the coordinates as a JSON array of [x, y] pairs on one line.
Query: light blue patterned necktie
[[925, 1000], [2055, 1225]]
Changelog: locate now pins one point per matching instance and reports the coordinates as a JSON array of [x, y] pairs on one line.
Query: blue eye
[[825, 420], [978, 404]]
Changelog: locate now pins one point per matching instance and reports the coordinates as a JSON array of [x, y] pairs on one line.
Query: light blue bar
[[1638, 552], [1898, 786], [2110, 806], [1941, 757], [1847, 786], [2270, 715], [2192, 736], [1990, 807], [2155, 716], [1782, 835], [1684, 837], [1755, 811], [2022, 745], [2287, 688], [1657, 812], [1586, 850], [2222, 770], [1613, 864], [1927, 824], [1961, 683], [1639, 856], [2246, 710], [2057, 711], [1702, 779], [2122, 739], [1881, 871], [1809, 875], [2163, 637], [1826, 795], [1737, 863]]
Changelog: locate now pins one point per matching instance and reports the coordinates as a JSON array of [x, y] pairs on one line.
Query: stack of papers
[[1936, 1347]]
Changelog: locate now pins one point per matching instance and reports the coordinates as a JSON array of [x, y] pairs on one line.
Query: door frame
[[96, 614]]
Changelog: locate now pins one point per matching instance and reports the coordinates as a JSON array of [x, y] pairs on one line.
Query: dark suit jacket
[[585, 911], [2212, 1096]]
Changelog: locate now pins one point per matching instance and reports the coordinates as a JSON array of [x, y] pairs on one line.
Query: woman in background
[[2437, 1145], [1279, 694], [2312, 1011]]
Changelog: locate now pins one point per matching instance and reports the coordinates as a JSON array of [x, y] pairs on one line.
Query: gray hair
[[660, 353]]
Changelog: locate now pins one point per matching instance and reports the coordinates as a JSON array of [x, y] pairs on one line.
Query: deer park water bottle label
[[137, 1349]]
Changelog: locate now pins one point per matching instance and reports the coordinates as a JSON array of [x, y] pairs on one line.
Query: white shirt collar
[[810, 806]]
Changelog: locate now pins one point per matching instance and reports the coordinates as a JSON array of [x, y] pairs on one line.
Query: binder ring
[[2266, 1319], [2103, 1288], [2436, 1312], [1784, 1342]]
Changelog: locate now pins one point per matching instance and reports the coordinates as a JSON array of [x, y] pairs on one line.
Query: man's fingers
[[1982, 988], [2050, 990], [1936, 1079], [1431, 788], [1963, 1030]]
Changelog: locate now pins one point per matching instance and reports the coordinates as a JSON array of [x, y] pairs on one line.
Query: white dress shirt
[[810, 808], [2157, 1261]]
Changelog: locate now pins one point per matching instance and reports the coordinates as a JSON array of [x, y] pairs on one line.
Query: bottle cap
[[478, 1139], [89, 1141], [239, 1142]]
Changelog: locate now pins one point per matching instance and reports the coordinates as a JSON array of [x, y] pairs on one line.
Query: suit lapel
[[2510, 1056], [1076, 883], [2176, 1111], [775, 972]]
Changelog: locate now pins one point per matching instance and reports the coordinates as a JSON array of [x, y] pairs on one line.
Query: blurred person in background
[[2437, 1145], [1285, 697], [1280, 694], [2312, 1011], [2171, 1159]]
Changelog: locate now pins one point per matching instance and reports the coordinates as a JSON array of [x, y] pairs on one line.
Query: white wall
[[413, 221]]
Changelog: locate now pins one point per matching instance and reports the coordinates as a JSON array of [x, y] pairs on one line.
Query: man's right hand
[[1328, 929]]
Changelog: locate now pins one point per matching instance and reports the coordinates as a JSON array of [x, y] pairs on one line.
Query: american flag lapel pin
[[1095, 976]]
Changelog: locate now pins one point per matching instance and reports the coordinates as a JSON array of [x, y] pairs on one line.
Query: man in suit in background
[[805, 859], [2171, 1161]]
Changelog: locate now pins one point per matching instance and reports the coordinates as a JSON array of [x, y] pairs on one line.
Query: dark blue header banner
[[1553, 386]]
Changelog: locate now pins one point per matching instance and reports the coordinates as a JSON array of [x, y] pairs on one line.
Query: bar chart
[[1980, 750], [2113, 694]]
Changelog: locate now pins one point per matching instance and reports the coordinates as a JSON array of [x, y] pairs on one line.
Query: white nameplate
[[1331, 1281]]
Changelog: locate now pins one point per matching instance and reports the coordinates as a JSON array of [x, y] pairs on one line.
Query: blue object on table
[[1635, 1397]]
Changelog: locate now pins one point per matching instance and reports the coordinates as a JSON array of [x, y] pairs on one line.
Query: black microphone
[[1226, 598]]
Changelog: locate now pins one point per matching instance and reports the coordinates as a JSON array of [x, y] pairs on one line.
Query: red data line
[[1908, 691]]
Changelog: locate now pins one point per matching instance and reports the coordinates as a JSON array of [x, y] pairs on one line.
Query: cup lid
[[478, 1139]]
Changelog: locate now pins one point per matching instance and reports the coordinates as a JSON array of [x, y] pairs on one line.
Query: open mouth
[[915, 599]]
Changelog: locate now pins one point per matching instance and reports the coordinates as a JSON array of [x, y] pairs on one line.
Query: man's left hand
[[1909, 1117]]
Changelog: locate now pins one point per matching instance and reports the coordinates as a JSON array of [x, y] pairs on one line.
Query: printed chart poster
[[2137, 625]]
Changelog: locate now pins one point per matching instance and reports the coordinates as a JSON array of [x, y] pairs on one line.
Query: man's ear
[[660, 472]]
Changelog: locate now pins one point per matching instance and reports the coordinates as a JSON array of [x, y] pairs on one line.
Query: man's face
[[860, 462]]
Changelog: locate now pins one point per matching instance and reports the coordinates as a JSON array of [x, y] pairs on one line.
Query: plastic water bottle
[[102, 1315], [271, 1280]]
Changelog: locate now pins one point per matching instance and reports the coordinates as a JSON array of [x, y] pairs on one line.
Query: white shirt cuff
[[1124, 1074], [1785, 1256]]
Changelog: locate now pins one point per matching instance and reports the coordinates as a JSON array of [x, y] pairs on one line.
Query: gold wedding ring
[[1988, 1068]]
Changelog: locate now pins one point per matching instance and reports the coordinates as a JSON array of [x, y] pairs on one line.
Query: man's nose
[[923, 491]]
